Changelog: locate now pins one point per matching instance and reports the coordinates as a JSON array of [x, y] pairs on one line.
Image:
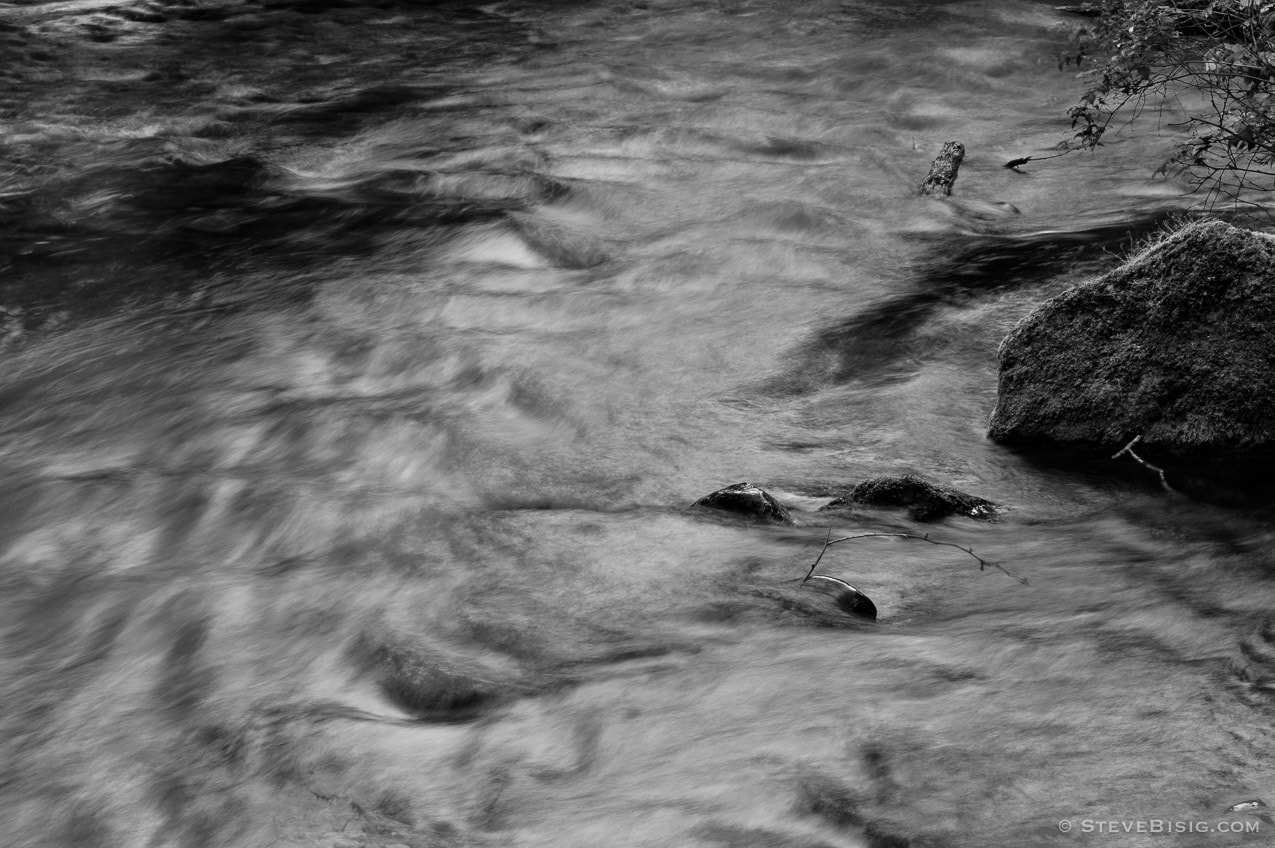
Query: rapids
[[360, 363]]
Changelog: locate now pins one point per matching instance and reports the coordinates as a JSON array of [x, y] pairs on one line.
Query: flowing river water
[[360, 364]]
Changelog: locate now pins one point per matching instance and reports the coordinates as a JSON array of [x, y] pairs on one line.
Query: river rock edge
[[1175, 347]]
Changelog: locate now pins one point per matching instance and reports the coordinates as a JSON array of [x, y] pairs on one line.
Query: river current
[[361, 361]]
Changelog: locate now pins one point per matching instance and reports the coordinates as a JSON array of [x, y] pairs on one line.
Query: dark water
[[360, 361]]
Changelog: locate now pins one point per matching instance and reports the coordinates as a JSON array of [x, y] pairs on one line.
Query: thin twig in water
[[982, 563], [1128, 449], [1023, 160], [840, 583], [826, 542]]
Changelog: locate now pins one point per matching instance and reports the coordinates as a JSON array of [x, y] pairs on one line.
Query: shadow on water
[[879, 344], [1251, 487], [176, 223], [97, 211]]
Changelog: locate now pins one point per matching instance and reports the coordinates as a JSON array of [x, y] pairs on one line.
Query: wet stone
[[925, 501], [1247, 806], [746, 499]]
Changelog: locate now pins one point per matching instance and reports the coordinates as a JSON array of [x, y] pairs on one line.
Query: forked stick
[[1128, 449], [982, 563]]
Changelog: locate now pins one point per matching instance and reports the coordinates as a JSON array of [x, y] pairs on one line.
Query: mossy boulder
[[925, 501], [1177, 346]]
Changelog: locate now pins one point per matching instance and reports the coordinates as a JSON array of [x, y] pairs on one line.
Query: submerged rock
[[924, 500], [746, 499], [562, 246], [1176, 346], [435, 684]]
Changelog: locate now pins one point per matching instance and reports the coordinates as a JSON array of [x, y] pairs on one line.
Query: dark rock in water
[[849, 599], [436, 685], [857, 603], [746, 499], [925, 501], [1176, 346]]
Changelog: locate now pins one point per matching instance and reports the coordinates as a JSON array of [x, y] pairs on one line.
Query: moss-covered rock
[[925, 501], [1176, 346]]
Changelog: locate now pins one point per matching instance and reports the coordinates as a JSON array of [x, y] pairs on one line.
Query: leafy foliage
[[1214, 58]]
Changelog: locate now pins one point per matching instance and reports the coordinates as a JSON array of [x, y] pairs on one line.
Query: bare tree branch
[[1147, 53], [982, 563]]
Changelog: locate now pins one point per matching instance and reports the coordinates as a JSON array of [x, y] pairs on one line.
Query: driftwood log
[[943, 171]]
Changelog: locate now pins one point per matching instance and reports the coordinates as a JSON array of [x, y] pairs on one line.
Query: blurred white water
[[370, 361]]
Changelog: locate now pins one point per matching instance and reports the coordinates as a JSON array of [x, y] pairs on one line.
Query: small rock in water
[[857, 603], [434, 684], [746, 499], [1245, 806], [849, 599], [925, 501]]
